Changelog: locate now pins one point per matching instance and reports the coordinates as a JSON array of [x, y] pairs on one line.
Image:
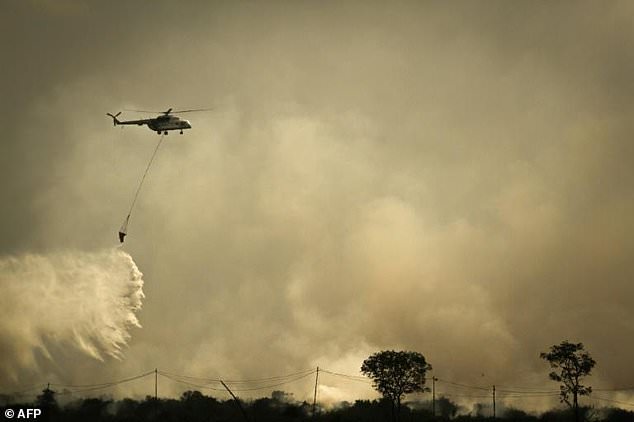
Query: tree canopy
[[395, 374]]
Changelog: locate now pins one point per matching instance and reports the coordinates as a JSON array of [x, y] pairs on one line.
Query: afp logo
[[22, 413]]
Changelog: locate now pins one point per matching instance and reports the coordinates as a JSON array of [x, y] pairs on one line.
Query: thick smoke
[[452, 179], [87, 300]]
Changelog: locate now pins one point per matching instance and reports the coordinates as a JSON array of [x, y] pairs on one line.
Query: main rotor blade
[[170, 111], [192, 110], [143, 111]]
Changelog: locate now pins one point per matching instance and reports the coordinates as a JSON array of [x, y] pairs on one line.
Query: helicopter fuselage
[[165, 123], [160, 124]]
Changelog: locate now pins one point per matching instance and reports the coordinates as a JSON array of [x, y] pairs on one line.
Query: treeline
[[193, 406]]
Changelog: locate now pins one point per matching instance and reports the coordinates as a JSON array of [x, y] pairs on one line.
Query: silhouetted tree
[[196, 406], [47, 398], [517, 415], [48, 404], [574, 363], [395, 374], [620, 415]]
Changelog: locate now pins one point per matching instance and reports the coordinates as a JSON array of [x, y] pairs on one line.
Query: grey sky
[[454, 178]]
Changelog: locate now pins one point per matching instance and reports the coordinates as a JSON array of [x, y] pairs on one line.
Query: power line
[[356, 378], [527, 389], [482, 396], [255, 384], [93, 387], [304, 372], [241, 381], [344, 375], [275, 383], [121, 381], [613, 401], [473, 387], [24, 390], [613, 389], [191, 384], [512, 395]]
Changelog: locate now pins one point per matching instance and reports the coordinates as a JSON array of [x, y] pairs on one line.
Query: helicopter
[[162, 123]]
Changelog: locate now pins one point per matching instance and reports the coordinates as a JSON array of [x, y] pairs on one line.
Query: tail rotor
[[114, 118]]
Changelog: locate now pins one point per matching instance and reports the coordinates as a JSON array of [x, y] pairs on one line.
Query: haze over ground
[[451, 178]]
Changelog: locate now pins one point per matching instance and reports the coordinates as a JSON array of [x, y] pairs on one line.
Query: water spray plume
[[85, 300]]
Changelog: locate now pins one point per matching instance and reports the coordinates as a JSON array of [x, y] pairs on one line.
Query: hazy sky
[[453, 178]]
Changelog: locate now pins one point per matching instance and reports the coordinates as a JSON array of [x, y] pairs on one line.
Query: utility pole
[[493, 401], [315, 393], [156, 409], [236, 400], [433, 396]]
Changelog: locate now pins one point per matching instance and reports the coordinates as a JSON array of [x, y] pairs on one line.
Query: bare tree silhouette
[[573, 363]]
